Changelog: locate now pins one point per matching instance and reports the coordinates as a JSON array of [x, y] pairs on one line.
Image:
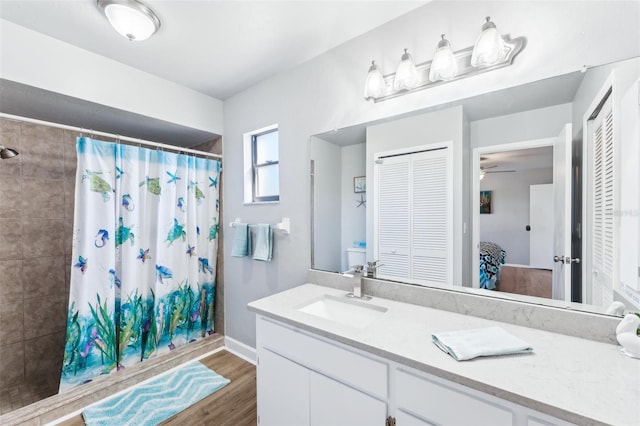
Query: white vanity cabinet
[[305, 379]]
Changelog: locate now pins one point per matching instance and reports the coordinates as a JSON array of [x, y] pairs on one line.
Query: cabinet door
[[333, 403], [283, 391], [435, 402]]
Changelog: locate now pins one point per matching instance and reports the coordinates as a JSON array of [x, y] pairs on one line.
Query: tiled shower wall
[[36, 217], [36, 220]]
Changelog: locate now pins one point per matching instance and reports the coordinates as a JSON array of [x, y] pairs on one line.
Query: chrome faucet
[[360, 272]]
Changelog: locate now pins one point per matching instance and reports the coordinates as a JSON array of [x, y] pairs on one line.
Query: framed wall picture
[[485, 202], [360, 184]]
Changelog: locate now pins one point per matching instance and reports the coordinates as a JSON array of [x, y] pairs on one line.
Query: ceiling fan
[[483, 170]]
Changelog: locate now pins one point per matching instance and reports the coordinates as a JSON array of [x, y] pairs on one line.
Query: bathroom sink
[[344, 310]]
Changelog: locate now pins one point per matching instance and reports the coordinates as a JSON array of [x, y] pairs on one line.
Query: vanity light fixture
[[444, 65], [131, 18], [406, 75], [490, 52], [489, 48], [374, 85]]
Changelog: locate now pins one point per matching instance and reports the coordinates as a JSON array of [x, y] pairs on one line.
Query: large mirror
[[531, 192]]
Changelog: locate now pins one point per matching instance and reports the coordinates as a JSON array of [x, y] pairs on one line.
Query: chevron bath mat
[[158, 399]]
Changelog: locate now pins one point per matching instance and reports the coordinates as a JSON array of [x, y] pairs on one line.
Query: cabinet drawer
[[440, 404], [354, 369]]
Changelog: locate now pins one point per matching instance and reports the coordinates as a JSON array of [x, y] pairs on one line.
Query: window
[[262, 167]]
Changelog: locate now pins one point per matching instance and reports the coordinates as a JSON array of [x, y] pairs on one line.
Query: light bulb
[[444, 65], [489, 48], [374, 85], [406, 75]]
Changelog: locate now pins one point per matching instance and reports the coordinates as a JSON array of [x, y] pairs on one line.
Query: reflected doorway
[[520, 205]]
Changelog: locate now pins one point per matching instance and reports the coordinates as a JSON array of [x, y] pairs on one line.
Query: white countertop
[[577, 380]]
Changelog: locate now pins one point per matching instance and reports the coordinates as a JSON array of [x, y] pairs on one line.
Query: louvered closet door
[[603, 206], [392, 205], [413, 226], [431, 218]]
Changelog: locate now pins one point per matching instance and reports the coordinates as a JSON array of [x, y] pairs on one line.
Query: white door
[[603, 190], [413, 207], [562, 220], [541, 223], [333, 403], [283, 391]]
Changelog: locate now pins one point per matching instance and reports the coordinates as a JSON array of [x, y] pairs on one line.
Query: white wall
[[510, 211], [37, 60], [522, 126], [425, 129], [326, 93], [327, 159], [353, 223]]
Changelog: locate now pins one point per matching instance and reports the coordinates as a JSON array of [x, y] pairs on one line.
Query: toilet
[[355, 256]]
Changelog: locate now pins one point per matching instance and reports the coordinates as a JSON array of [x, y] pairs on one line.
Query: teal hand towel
[[264, 243], [468, 344], [241, 241]]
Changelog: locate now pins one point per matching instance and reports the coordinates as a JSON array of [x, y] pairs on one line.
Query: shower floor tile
[[22, 394]]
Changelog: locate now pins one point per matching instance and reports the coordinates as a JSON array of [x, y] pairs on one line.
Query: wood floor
[[235, 404]]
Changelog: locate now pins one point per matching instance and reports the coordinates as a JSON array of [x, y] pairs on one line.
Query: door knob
[[558, 259], [570, 260]]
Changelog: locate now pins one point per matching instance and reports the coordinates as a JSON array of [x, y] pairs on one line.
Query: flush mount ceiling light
[[490, 52], [130, 18]]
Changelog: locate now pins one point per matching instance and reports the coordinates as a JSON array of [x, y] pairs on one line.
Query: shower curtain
[[143, 259]]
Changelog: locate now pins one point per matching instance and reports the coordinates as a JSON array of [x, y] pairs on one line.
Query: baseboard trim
[[240, 349]]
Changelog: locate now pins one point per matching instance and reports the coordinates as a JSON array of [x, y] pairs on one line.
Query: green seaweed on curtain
[[129, 323], [105, 336], [177, 304], [160, 325], [72, 341], [207, 311], [148, 342]]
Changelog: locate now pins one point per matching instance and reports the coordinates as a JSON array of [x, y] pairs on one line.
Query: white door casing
[[561, 287]]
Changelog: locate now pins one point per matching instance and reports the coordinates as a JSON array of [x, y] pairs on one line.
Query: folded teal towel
[[241, 241], [467, 344], [264, 243]]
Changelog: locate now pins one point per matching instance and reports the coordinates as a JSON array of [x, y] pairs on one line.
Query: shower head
[[7, 152]]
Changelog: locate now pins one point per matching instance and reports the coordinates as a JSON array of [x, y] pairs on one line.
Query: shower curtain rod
[[110, 135]]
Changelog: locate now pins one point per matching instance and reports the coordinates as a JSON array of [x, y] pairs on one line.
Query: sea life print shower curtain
[[145, 242]]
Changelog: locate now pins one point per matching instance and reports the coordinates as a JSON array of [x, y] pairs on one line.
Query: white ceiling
[[518, 160], [214, 47]]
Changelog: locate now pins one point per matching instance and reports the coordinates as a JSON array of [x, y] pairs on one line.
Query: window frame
[[255, 166]]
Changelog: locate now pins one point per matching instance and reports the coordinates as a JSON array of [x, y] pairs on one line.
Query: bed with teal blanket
[[492, 257]]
